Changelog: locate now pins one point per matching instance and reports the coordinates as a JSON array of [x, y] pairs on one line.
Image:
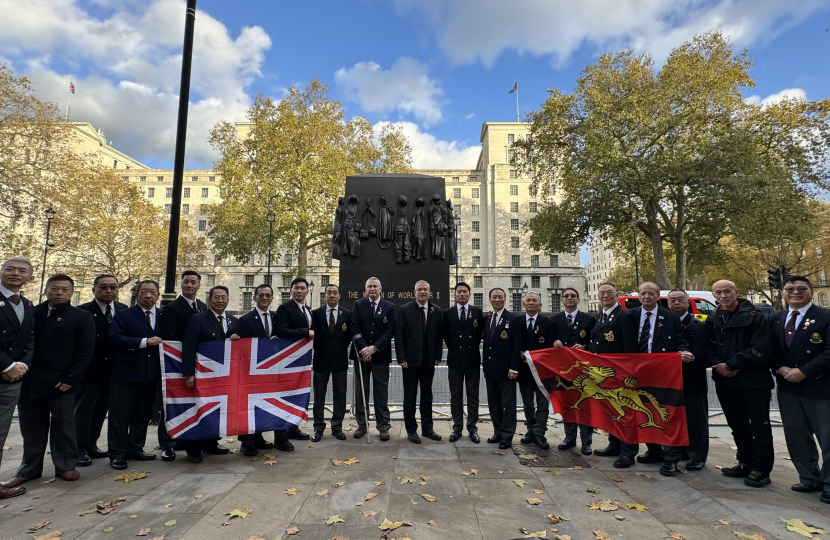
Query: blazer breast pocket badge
[[541, 339], [582, 334], [475, 323], [343, 327], [385, 320], [609, 336], [815, 338], [503, 334]]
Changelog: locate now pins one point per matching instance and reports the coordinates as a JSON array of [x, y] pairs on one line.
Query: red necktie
[[15, 298]]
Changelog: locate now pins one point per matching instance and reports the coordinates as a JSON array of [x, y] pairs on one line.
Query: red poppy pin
[[59, 319], [659, 325]]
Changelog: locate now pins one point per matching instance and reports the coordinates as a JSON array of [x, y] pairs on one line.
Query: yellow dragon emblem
[[624, 397]]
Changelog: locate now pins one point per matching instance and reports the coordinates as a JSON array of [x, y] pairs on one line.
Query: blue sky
[[439, 67]]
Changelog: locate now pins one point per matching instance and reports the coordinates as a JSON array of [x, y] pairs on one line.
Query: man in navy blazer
[[801, 362], [573, 328], [502, 358], [135, 334], [537, 334], [659, 331], [211, 325], [373, 327], [17, 346]]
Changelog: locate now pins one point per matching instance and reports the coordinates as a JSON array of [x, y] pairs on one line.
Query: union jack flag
[[245, 386]]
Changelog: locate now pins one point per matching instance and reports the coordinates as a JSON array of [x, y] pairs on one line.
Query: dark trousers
[[131, 406], [747, 413], [586, 433], [379, 375], [613, 442], [92, 401], [413, 376], [320, 381], [697, 423], [461, 380], [669, 454], [51, 420], [807, 421], [501, 400], [536, 408], [9, 396], [165, 441]]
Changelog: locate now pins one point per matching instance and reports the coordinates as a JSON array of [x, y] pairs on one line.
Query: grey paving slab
[[38, 494], [343, 502], [764, 508], [505, 492], [454, 516], [105, 485], [714, 532], [497, 522], [124, 526], [321, 531], [712, 479], [427, 451], [489, 463], [307, 472], [180, 494], [444, 478]]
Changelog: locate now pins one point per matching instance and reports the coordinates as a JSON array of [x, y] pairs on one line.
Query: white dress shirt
[[466, 310], [266, 316], [801, 312], [152, 323], [652, 324], [572, 314], [304, 312], [103, 307], [608, 312], [224, 320]]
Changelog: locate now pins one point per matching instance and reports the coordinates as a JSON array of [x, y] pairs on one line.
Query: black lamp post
[[751, 292], [636, 255], [457, 221], [311, 293], [50, 215], [271, 217], [524, 288]]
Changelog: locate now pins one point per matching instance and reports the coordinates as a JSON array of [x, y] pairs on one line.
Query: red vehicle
[[701, 303]]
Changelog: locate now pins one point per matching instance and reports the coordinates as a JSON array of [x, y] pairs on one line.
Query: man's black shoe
[[668, 469], [527, 438], [804, 488], [168, 454], [474, 437], [414, 438], [824, 497], [566, 444], [284, 446], [296, 434], [84, 461], [432, 435], [494, 439], [97, 453], [739, 470], [757, 479], [455, 436], [587, 450], [119, 464], [695, 465], [542, 443], [339, 435], [261, 444], [505, 444], [249, 451], [607, 451], [194, 458], [217, 450], [141, 456], [649, 457], [384, 435], [623, 462], [317, 436]]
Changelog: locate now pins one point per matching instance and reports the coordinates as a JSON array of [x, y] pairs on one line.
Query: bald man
[[739, 353]]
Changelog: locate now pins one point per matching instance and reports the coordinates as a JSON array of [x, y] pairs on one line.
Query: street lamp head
[[311, 285], [750, 290], [524, 288], [633, 223], [271, 216], [50, 214]]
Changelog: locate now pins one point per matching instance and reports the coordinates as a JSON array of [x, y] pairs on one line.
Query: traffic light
[[775, 276]]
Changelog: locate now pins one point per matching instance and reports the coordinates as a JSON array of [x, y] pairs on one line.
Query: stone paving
[[485, 505]]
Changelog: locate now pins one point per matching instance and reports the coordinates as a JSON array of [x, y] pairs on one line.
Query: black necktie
[[570, 319], [493, 325], [530, 324], [265, 324], [423, 318], [373, 308], [149, 320], [108, 314], [645, 333], [463, 315], [220, 319], [331, 319], [789, 330], [195, 307]]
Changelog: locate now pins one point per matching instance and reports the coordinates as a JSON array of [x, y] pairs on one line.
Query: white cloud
[[133, 60], [431, 153], [788, 93], [469, 116], [480, 30], [404, 87]]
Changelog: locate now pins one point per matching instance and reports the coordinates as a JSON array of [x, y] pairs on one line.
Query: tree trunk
[[659, 257], [680, 262], [302, 254]]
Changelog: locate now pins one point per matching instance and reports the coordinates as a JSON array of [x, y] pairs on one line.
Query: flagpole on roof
[[517, 100], [68, 94]]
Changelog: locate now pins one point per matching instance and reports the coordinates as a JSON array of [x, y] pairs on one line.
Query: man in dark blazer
[[695, 388], [502, 359], [294, 321], [92, 400], [659, 331], [331, 360], [418, 350], [573, 328], [64, 342], [373, 327], [462, 328], [801, 362], [211, 325], [17, 346], [176, 316], [259, 323], [135, 334], [537, 333], [614, 332]]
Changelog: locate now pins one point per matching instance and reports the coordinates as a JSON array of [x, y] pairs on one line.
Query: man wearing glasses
[[93, 397]]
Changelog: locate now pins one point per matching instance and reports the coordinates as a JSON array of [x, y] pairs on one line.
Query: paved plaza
[[195, 500]]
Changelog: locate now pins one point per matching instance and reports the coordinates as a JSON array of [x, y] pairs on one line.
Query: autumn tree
[[293, 160], [678, 149]]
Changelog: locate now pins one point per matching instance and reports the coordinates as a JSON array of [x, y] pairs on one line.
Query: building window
[[515, 260], [287, 279], [535, 282], [476, 193], [514, 207], [287, 260], [285, 296], [168, 192], [554, 282], [211, 179], [511, 138], [204, 192], [554, 261], [514, 224], [185, 209], [478, 299], [456, 193], [247, 301], [159, 179], [514, 189], [476, 226], [514, 174], [194, 178], [323, 298], [202, 225], [151, 192], [478, 281], [457, 209], [325, 280], [476, 243], [249, 280], [476, 209], [555, 302], [516, 282], [516, 301], [823, 300], [533, 207], [476, 260], [456, 178], [167, 208], [186, 193], [140, 178], [472, 179], [514, 241], [114, 161], [511, 157], [211, 280], [251, 259], [534, 261]]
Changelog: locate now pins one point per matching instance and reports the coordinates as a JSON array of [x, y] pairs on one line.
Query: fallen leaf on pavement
[[431, 522], [54, 535], [255, 537], [798, 526], [618, 479], [465, 473], [339, 484], [528, 456], [619, 517], [520, 483], [144, 532], [85, 512], [601, 535], [292, 530], [554, 519], [557, 473], [358, 503], [638, 507], [387, 525], [499, 453], [562, 536], [368, 513], [643, 474], [339, 538], [350, 461], [379, 483], [38, 526], [538, 491], [724, 522], [534, 501], [577, 468], [676, 536], [606, 505], [539, 534], [407, 480], [131, 477], [290, 491], [105, 507], [335, 519], [108, 529], [199, 496], [474, 471], [133, 516], [49, 481], [170, 523], [744, 536], [370, 496], [168, 505], [501, 471], [322, 493], [236, 512], [428, 497], [592, 490], [425, 478]]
